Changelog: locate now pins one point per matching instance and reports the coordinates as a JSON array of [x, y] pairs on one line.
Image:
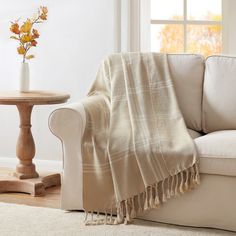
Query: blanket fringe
[[152, 197]]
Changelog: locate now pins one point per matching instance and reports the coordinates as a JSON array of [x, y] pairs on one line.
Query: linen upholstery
[[68, 124], [187, 72], [212, 204], [136, 148], [219, 100], [217, 152]]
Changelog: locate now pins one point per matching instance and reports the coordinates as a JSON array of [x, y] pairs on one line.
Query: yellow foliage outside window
[[203, 39]]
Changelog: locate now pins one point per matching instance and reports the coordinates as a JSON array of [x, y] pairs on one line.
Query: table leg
[[25, 148], [25, 178]]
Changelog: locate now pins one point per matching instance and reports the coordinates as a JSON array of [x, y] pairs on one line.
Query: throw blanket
[[137, 152]]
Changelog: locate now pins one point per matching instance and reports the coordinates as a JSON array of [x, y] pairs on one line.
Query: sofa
[[206, 93]]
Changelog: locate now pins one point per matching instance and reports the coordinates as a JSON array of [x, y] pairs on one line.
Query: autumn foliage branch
[[26, 34]]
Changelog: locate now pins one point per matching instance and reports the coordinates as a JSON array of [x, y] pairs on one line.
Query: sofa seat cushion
[[217, 152]]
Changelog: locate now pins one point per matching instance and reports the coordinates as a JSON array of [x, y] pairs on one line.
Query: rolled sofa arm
[[66, 120], [68, 124]]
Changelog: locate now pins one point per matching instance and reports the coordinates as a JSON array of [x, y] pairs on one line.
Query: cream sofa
[[206, 92]]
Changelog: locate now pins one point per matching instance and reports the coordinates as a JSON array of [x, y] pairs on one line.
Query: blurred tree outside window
[[192, 26]]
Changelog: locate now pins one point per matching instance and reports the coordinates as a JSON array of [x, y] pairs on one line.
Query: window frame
[[185, 22], [132, 27]]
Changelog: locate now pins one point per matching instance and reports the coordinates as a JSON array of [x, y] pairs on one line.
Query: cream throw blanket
[[137, 152]]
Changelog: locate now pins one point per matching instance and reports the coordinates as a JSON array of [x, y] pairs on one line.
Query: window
[[192, 26]]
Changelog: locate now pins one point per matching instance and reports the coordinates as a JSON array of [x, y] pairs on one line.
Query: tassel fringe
[[128, 209]]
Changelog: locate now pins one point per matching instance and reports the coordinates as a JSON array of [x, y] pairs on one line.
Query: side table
[[25, 178]]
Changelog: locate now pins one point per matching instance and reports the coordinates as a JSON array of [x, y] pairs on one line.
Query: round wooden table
[[26, 179]]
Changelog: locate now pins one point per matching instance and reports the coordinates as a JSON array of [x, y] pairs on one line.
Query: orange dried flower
[[34, 43], [15, 28], [43, 17], [26, 27], [26, 34], [35, 34], [21, 50], [44, 10], [26, 38]]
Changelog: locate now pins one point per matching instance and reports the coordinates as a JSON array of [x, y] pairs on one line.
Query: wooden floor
[[51, 198]]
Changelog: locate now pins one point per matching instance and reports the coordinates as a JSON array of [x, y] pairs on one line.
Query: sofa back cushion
[[187, 72], [219, 94]]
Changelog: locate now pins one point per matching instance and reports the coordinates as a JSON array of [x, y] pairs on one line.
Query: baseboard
[[41, 165]]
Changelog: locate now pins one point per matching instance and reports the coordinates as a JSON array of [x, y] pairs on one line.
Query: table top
[[39, 97]]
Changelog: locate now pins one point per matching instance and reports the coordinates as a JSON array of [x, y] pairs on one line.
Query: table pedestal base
[[35, 186], [25, 176]]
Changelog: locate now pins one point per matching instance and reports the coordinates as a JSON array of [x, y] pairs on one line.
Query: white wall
[[77, 35]]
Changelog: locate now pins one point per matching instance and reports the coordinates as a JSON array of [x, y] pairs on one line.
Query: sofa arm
[[68, 120], [68, 124]]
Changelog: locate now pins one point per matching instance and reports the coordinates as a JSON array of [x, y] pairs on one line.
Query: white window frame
[[185, 22], [126, 25], [132, 26]]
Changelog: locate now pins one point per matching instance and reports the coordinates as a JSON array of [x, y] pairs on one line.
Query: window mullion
[[188, 22], [185, 25]]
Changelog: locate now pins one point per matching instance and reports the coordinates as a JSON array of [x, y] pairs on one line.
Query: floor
[[51, 198]]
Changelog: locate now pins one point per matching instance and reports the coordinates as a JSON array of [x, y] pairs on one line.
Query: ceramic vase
[[24, 77]]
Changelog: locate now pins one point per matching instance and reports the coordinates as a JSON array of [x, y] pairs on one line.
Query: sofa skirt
[[212, 204]]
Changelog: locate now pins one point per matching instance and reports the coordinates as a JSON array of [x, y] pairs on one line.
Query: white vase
[[24, 77]]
